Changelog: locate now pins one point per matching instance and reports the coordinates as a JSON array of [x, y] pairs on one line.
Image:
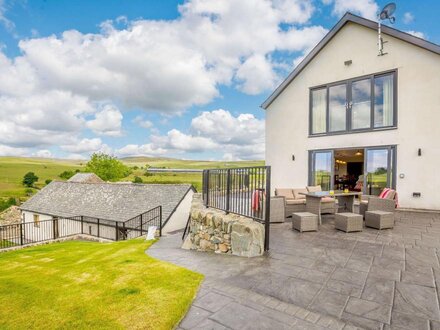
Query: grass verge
[[87, 285]]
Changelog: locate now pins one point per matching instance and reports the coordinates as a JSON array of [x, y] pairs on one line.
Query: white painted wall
[[179, 218], [418, 82]]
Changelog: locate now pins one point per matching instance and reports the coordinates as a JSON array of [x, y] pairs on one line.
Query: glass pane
[[383, 101], [323, 169], [377, 171], [319, 97], [361, 107], [337, 111]]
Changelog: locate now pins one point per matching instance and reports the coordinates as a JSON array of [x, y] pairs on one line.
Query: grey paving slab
[[361, 322], [326, 279], [360, 263], [407, 321], [236, 316], [369, 310], [329, 302], [344, 288], [416, 300], [194, 317], [212, 301], [350, 276], [379, 290], [419, 278]]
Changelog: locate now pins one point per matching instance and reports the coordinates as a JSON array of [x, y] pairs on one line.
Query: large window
[[359, 104]]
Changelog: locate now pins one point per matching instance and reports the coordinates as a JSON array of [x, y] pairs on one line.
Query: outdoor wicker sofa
[[296, 202], [375, 203]]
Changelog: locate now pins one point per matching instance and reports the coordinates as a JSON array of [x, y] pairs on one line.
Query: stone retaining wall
[[213, 230]]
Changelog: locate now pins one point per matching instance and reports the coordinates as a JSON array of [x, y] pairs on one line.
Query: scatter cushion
[[327, 200], [314, 188], [284, 192], [297, 193]]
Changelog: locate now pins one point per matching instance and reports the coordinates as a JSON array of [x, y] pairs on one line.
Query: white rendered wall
[[418, 83], [179, 218]]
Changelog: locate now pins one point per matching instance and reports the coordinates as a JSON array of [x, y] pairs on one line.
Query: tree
[[66, 175], [29, 179], [48, 181], [107, 167], [138, 179]]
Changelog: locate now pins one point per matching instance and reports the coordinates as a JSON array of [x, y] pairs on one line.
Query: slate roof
[[85, 178], [118, 202], [348, 17]]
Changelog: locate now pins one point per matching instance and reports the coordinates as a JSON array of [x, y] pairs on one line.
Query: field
[[12, 170], [89, 285]]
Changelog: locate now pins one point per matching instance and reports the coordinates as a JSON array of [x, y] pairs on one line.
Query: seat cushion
[[314, 188], [284, 192], [295, 201], [297, 193], [327, 200]]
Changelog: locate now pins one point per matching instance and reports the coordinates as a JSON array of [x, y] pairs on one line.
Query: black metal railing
[[244, 191], [58, 227]]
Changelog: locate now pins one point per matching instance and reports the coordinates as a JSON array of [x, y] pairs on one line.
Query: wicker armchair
[[377, 204], [277, 209]]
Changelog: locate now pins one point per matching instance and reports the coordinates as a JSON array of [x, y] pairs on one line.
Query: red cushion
[[384, 192]]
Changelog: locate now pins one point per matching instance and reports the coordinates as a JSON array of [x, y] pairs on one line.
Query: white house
[[347, 117], [108, 202]]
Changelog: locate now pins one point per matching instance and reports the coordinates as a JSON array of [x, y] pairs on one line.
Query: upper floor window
[[357, 104]]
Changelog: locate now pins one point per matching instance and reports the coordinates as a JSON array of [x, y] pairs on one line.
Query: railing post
[[21, 233], [98, 229], [207, 188], [53, 228], [123, 230], [82, 225], [228, 189], [116, 230], [267, 211], [160, 221], [142, 222]]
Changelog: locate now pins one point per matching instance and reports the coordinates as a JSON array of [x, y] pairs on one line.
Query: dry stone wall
[[213, 230]]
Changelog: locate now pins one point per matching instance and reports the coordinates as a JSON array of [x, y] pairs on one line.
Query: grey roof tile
[[109, 201]]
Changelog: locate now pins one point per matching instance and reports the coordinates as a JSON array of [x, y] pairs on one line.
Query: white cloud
[[417, 34], [142, 122], [257, 75], [76, 157], [86, 146], [48, 93], [7, 23], [107, 122], [10, 151], [218, 132], [408, 18], [43, 153], [365, 8]]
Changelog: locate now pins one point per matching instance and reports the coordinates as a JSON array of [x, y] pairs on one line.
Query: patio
[[327, 279]]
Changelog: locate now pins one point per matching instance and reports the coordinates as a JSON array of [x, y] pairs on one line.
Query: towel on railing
[[257, 198]]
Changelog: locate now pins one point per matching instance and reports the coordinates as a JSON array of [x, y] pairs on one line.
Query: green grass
[[12, 170], [88, 285]]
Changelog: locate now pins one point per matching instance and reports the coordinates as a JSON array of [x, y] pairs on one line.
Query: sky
[[159, 78]]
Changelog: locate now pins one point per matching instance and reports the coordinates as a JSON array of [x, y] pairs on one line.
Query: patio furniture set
[[306, 206]]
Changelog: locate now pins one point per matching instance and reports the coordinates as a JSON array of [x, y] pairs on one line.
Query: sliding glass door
[[379, 169], [322, 165]]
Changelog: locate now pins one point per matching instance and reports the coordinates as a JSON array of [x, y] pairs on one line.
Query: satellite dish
[[387, 12]]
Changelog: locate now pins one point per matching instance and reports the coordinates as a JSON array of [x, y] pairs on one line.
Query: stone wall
[[212, 230]]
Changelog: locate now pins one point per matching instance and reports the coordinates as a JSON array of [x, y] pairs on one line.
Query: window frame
[[348, 83], [36, 218]]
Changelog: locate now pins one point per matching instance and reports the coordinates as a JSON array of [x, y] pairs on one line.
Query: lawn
[[86, 285]]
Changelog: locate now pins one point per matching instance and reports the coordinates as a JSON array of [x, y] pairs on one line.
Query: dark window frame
[[348, 124]]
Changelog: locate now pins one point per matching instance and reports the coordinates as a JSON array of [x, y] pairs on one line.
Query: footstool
[[304, 221], [349, 222], [379, 219]]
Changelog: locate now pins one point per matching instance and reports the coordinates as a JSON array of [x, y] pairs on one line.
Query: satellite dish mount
[[385, 14]]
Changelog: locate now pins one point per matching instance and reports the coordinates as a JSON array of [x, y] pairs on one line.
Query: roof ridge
[[348, 17]]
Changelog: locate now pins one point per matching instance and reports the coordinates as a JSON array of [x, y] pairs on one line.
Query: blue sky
[[159, 78]]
